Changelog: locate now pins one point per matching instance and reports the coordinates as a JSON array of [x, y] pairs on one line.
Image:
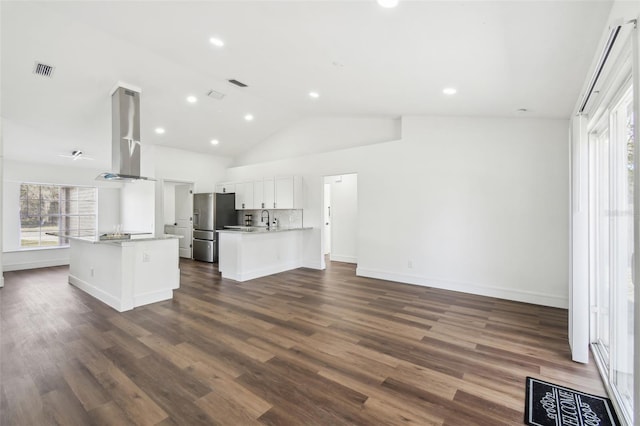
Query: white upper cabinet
[[284, 193], [264, 194], [225, 188], [244, 196], [258, 194], [270, 193], [288, 192]]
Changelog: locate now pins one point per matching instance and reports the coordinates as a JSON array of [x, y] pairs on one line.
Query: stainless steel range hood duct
[[125, 134]]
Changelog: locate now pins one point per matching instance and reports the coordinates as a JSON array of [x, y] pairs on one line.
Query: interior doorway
[[178, 213], [341, 217]]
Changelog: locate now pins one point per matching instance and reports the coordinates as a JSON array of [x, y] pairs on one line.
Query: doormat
[[547, 404]]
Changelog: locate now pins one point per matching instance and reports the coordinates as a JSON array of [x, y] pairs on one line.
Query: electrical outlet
[[91, 271], [146, 257], [410, 264]]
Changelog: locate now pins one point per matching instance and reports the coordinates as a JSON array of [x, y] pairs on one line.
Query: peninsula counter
[[248, 253]]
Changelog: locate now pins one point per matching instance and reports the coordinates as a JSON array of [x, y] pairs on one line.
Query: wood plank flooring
[[303, 347]]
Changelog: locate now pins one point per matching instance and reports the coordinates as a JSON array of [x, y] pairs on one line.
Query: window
[[68, 210]]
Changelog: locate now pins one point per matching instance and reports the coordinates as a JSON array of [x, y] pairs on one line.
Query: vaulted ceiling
[[362, 60]]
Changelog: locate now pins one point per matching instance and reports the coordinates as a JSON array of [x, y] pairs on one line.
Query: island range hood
[[125, 136]]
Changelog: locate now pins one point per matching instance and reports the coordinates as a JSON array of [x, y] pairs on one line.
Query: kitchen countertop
[[259, 229], [133, 239]]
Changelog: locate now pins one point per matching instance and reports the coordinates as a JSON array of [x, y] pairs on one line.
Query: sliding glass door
[[611, 224]]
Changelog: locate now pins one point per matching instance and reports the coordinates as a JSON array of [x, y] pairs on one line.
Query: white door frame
[[175, 182], [327, 219], [351, 259]]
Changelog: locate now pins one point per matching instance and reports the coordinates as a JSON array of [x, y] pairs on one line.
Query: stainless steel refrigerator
[[211, 212]]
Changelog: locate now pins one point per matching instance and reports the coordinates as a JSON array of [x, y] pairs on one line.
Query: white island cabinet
[[249, 254], [125, 274]]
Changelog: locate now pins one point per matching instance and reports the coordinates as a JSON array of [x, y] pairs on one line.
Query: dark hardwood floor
[[303, 347]]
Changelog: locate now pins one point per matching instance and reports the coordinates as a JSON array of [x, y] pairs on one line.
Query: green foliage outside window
[[67, 210]]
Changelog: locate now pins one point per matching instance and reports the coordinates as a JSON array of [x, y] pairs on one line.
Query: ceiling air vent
[[43, 69], [237, 83], [215, 95]]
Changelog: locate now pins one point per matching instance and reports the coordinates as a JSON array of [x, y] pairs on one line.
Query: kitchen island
[[252, 252], [125, 273]]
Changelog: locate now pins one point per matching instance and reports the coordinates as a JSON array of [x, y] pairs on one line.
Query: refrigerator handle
[[196, 218]]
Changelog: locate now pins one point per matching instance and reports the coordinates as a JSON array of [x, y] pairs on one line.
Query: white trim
[[124, 86], [339, 258], [263, 272], [313, 264], [37, 248], [34, 265], [99, 294], [635, 73], [1, 281], [500, 293], [600, 364], [152, 297]]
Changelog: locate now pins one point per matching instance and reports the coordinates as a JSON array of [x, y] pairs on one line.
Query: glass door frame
[[601, 123]]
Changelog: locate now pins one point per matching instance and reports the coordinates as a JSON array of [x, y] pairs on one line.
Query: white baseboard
[[346, 259], [34, 265], [500, 293], [99, 294], [152, 297], [313, 264], [263, 272]]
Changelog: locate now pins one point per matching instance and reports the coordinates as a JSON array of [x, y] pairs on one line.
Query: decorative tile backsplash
[[286, 218]]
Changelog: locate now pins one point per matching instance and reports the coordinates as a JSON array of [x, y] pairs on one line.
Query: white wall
[[322, 134], [1, 198], [137, 206], [476, 204], [176, 165], [344, 217], [184, 166], [16, 173], [108, 211]]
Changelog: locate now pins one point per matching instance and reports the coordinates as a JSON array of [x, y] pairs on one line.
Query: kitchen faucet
[[262, 217]]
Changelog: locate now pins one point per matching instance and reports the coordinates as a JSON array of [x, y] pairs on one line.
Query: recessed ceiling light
[[216, 42], [449, 91], [248, 117], [192, 99], [215, 141], [314, 95], [159, 130], [388, 3]]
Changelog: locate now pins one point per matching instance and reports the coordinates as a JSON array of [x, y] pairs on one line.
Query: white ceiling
[[361, 58]]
